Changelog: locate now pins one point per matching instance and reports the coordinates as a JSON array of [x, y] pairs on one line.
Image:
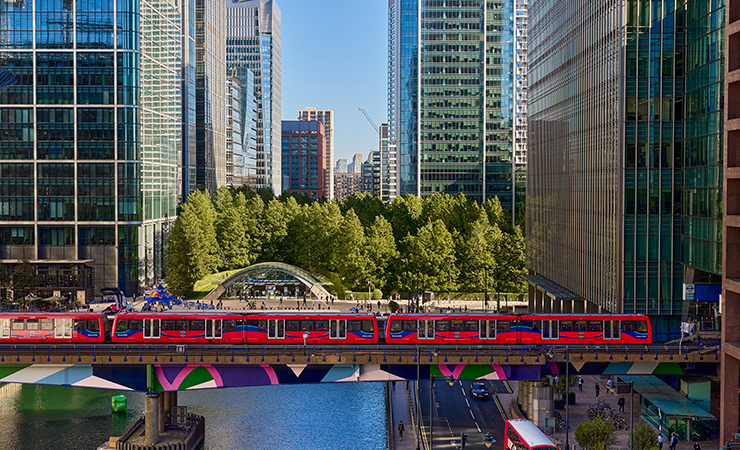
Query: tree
[[232, 222], [644, 437], [404, 214], [380, 251], [365, 206], [348, 256], [6, 277], [429, 254], [24, 279], [596, 434], [192, 251]]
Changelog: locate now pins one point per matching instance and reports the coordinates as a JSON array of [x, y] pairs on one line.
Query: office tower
[[90, 157], [341, 166], [210, 95], [189, 128], [326, 117], [346, 184], [253, 43], [388, 167], [370, 174], [356, 165], [624, 161], [451, 98], [304, 156], [520, 90]]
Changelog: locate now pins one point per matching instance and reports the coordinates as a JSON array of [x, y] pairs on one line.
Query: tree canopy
[[440, 242]]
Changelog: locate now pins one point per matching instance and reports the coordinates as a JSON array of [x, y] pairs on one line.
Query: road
[[455, 412]]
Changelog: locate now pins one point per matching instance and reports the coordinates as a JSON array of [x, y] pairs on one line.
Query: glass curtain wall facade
[[189, 130], [636, 174], [453, 96], [210, 99], [253, 43], [701, 236], [90, 151], [574, 157]]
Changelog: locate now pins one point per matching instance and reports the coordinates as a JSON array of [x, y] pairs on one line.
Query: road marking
[[472, 415], [466, 402], [476, 426]]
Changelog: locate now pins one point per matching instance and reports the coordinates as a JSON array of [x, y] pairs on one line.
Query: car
[[479, 390]]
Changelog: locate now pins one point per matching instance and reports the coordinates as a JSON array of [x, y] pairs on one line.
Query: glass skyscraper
[[624, 158], [253, 43], [90, 140], [451, 97]]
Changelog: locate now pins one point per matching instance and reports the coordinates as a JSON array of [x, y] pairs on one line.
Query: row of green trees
[[440, 242]]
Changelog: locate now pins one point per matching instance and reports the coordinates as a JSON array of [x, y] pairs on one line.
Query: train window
[[32, 324], [262, 325], [627, 326], [47, 324], [182, 325], [291, 325], [442, 325], [321, 325], [18, 324], [525, 324], [566, 325], [456, 325], [122, 325], [640, 326], [594, 325], [197, 325], [471, 325], [93, 325], [135, 324], [503, 326], [168, 325], [581, 325], [409, 325], [354, 325], [229, 325], [367, 326], [79, 325], [307, 325], [396, 326]]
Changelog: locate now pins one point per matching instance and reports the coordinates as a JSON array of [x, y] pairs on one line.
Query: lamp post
[[449, 285], [416, 400], [632, 412], [567, 397]]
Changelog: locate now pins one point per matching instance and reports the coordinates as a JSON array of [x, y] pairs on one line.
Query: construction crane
[[377, 130]]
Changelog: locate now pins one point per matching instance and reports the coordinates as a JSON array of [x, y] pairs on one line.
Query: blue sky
[[334, 56]]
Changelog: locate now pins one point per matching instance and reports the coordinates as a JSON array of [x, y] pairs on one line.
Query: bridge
[[163, 368]]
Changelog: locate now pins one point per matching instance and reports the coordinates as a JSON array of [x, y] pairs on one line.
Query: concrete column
[[151, 419], [167, 400], [160, 413]]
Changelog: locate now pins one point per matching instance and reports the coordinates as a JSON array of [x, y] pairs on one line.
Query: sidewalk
[[578, 414], [401, 399]]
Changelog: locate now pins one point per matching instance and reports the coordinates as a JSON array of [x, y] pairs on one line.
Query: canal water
[[306, 416]]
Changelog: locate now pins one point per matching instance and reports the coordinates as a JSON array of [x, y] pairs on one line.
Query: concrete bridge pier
[[160, 414], [169, 400], [151, 418], [535, 400]]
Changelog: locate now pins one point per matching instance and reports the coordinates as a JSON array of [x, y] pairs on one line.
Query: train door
[[337, 329], [611, 329], [152, 328], [425, 329], [550, 329], [275, 328], [214, 328], [4, 328], [487, 329], [62, 328]]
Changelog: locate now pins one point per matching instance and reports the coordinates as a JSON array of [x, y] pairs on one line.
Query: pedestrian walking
[[660, 442], [696, 446], [674, 441], [609, 386], [620, 402], [598, 390], [400, 430], [580, 383]]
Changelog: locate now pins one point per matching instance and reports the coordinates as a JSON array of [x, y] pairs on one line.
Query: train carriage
[[554, 329], [318, 328], [179, 327], [36, 327]]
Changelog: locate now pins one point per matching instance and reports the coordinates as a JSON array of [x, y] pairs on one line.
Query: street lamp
[[449, 285]]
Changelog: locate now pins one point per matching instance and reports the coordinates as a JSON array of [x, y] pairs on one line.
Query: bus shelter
[[668, 411]]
